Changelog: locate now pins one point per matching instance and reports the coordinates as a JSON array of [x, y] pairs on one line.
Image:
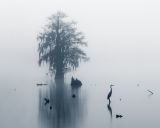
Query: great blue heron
[[110, 93]]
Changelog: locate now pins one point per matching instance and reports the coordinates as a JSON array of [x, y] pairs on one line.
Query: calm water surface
[[23, 105]]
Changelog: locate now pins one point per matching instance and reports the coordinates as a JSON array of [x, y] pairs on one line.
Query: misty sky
[[123, 36]]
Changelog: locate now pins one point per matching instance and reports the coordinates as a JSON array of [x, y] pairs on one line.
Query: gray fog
[[123, 45]]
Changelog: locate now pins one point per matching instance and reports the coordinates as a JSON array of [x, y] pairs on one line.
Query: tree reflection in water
[[63, 111]]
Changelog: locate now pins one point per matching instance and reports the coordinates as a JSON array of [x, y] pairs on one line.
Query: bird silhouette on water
[[110, 93], [46, 101], [119, 116]]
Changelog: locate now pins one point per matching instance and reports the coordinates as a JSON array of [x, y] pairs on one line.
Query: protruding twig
[[150, 92]]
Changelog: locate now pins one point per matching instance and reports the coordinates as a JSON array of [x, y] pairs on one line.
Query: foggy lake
[[23, 105], [124, 49]]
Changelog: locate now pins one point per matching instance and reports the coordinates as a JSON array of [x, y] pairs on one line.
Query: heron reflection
[[110, 109]]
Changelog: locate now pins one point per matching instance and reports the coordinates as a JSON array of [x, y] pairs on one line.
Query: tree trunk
[[59, 55], [59, 74]]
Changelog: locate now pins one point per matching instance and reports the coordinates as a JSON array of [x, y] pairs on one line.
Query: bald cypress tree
[[60, 45]]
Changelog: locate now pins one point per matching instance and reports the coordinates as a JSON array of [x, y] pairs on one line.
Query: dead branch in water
[[150, 92]]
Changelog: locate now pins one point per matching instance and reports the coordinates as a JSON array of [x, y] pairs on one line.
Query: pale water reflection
[[90, 107], [63, 110], [23, 105]]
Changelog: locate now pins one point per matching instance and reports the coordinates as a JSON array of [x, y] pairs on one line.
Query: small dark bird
[[46, 101], [50, 107], [73, 96], [110, 93], [119, 116]]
